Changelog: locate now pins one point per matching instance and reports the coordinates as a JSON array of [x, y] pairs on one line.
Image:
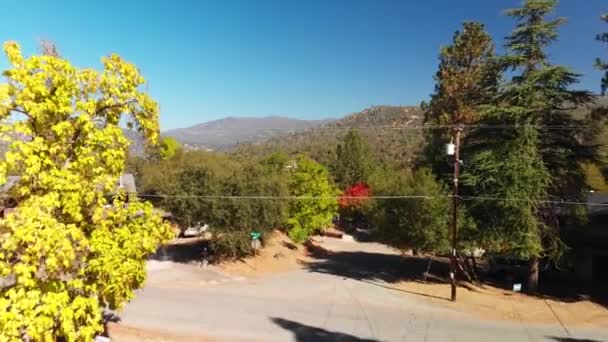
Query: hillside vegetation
[[226, 133], [383, 127]]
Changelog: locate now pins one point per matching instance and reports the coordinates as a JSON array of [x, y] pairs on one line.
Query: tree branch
[[21, 111], [101, 109], [29, 116]]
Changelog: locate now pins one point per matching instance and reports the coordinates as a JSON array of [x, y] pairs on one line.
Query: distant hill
[[382, 126], [227, 133]]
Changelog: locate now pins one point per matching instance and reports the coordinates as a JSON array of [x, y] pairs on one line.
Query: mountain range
[[383, 127], [226, 133]]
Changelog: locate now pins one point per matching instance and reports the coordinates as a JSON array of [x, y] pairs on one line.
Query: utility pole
[[453, 261]]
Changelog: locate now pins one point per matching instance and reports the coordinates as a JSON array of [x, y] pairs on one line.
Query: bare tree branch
[[101, 109]]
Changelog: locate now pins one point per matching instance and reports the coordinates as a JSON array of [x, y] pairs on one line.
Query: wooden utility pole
[[453, 261]]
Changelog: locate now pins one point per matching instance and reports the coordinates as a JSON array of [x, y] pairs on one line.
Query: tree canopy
[[601, 63], [353, 159], [169, 147], [419, 223], [466, 79], [310, 215], [525, 165], [72, 246]]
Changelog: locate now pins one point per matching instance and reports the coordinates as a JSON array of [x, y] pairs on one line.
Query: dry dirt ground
[[491, 303], [279, 254], [122, 333]]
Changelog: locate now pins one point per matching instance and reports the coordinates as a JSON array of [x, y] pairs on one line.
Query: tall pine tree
[[353, 164], [465, 80], [537, 153], [600, 63]]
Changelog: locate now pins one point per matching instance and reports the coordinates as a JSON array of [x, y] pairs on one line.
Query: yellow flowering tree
[[73, 245]]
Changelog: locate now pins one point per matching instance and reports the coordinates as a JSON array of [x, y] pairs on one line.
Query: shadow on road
[[380, 269], [389, 268], [306, 333], [184, 250], [385, 269], [570, 339]]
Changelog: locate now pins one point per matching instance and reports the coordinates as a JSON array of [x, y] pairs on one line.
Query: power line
[[424, 197], [558, 202], [263, 197], [431, 127]]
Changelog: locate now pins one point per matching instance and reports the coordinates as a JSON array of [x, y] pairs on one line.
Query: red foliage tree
[[354, 196]]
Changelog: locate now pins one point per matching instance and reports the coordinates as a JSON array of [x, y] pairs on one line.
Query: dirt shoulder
[[279, 254], [492, 303], [122, 333]]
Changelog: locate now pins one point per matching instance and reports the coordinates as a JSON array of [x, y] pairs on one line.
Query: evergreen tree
[[353, 164], [466, 78], [600, 63], [529, 160]]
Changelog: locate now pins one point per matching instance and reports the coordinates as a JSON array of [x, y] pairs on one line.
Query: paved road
[[311, 305]]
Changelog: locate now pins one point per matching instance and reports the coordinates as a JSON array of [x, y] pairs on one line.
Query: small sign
[[256, 244], [517, 287], [449, 149], [255, 235]]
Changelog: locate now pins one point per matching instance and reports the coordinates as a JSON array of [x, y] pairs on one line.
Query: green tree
[[530, 164], [315, 210], [169, 147], [420, 222], [353, 159], [466, 80], [205, 187], [68, 251], [276, 162], [600, 63]]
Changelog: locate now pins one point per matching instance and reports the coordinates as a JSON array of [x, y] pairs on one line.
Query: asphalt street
[[310, 305]]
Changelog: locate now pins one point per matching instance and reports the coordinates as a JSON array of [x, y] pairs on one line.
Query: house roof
[[127, 182]]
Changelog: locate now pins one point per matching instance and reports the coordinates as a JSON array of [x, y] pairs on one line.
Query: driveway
[[328, 301]]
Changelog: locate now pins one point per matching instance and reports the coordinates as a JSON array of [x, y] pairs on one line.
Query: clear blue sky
[[306, 59]]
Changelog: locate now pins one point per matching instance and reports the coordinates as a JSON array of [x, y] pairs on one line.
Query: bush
[[208, 185], [231, 245], [418, 223]]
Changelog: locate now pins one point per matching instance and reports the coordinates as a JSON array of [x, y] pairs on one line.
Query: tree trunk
[[415, 252], [462, 268], [475, 268], [533, 265], [471, 268]]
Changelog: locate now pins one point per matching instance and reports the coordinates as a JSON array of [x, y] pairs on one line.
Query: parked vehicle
[[196, 230]]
